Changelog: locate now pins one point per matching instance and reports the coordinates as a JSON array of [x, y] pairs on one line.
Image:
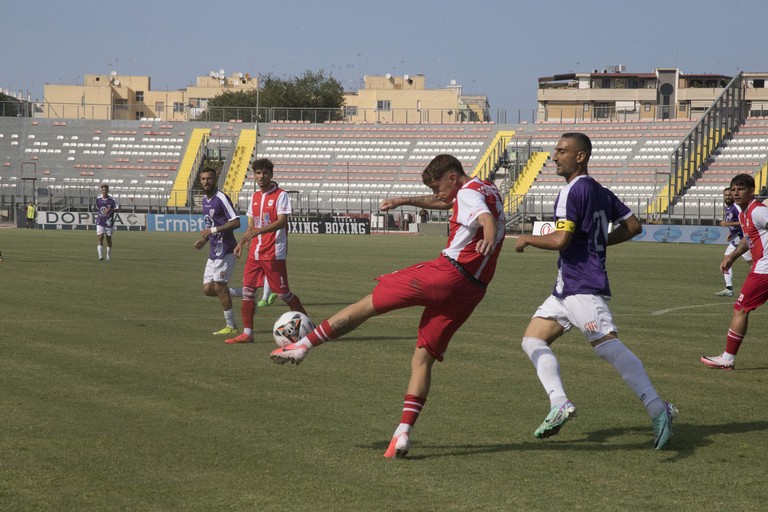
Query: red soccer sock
[[412, 406], [247, 310], [322, 333], [733, 342]]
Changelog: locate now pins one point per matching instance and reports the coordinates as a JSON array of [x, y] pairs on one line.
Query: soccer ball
[[291, 327]]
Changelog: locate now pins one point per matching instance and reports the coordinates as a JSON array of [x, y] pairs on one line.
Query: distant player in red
[[267, 234], [448, 287], [754, 292]]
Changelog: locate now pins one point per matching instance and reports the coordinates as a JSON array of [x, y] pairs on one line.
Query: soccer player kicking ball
[[448, 287], [754, 292], [583, 211]]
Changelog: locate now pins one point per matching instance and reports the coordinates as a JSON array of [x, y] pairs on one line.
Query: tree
[[312, 96]]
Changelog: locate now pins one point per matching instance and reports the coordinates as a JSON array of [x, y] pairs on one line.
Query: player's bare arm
[[229, 226], [555, 241], [627, 230], [727, 262], [488, 243], [429, 202]]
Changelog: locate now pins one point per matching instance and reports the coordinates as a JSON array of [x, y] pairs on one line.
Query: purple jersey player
[[221, 220], [584, 212], [731, 221], [106, 206]]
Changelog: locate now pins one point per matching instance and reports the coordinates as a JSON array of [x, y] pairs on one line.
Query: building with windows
[[119, 97], [615, 94], [406, 100]]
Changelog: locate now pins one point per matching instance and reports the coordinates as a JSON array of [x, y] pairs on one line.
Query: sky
[[496, 48]]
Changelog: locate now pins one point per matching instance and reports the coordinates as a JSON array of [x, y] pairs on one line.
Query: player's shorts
[[219, 270], [275, 272], [754, 292], [103, 230], [730, 248], [589, 313], [448, 299]]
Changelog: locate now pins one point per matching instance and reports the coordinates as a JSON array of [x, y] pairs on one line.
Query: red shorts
[[448, 299], [275, 271], [754, 292]]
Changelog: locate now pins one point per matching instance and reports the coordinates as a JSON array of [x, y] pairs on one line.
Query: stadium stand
[[630, 158], [150, 164], [69, 159], [336, 162]]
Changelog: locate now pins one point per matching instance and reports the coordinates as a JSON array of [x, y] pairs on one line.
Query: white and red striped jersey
[[754, 223], [474, 198], [264, 209]]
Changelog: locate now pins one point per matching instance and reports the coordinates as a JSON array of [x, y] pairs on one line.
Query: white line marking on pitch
[[665, 311]]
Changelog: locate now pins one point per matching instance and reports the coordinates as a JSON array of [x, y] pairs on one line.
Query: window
[[178, 106], [585, 107], [384, 105], [159, 106], [350, 111], [683, 106], [647, 107], [606, 83], [139, 115], [139, 96], [759, 83], [121, 104]]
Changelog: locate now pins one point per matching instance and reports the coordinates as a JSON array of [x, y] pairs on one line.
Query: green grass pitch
[[114, 395]]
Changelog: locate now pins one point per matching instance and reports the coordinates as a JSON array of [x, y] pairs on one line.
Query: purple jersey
[[591, 207], [218, 210], [731, 214], [102, 205]]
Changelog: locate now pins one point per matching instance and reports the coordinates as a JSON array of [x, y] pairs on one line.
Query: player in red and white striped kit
[[448, 287], [267, 233], [754, 292]]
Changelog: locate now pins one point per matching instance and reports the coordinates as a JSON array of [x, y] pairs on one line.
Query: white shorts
[[103, 230], [219, 271], [730, 248], [589, 313]]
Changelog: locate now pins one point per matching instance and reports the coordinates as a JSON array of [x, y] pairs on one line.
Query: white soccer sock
[[247, 331], [266, 291], [632, 371], [235, 292], [728, 278], [98, 248], [547, 368], [109, 252], [403, 427], [229, 316]]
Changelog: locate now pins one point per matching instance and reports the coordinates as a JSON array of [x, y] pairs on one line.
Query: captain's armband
[[565, 225]]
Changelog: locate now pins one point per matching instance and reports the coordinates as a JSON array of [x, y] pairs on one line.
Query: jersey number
[[601, 229]]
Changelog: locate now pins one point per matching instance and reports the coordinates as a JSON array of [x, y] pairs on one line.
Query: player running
[[584, 209], [221, 220], [754, 292], [268, 229], [731, 221]]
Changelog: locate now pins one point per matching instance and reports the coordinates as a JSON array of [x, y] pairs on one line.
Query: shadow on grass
[[686, 440]]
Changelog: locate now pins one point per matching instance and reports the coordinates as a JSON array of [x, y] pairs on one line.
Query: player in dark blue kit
[[106, 206], [221, 220], [731, 221], [584, 211]]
